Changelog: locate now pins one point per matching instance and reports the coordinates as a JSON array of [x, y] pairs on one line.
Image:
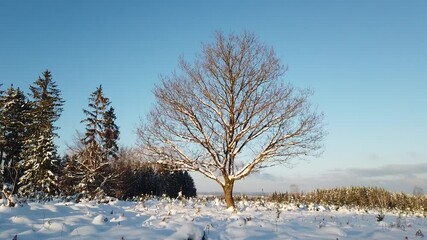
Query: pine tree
[[40, 176], [99, 146], [15, 120]]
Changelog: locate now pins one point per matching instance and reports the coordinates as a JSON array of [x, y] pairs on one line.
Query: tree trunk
[[8, 196], [228, 193]]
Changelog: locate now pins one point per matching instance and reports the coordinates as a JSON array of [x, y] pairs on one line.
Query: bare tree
[[230, 114]]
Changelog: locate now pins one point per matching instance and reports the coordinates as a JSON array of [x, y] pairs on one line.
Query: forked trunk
[[228, 193]]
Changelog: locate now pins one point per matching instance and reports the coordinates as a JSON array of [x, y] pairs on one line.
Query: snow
[[200, 218]]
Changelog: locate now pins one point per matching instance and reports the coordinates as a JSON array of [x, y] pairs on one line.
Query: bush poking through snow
[[380, 217]]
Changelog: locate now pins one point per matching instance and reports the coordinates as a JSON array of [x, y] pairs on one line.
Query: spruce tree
[[2, 137], [188, 187], [40, 176], [70, 175], [110, 134], [100, 145], [15, 119]]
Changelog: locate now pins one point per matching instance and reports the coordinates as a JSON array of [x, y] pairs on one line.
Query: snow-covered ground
[[198, 219]]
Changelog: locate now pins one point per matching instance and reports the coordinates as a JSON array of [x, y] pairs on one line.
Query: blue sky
[[365, 60]]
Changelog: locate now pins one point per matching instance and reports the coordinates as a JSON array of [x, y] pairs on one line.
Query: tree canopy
[[230, 114]]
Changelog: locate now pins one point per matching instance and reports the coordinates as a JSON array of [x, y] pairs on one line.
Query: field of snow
[[200, 219]]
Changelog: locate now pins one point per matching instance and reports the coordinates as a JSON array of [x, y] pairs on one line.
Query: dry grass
[[359, 197]]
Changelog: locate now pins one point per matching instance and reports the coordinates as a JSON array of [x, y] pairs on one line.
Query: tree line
[[94, 167], [357, 197]]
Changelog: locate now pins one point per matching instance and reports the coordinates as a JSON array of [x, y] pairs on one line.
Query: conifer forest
[[93, 167]]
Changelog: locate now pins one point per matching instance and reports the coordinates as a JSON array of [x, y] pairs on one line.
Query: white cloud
[[393, 177]]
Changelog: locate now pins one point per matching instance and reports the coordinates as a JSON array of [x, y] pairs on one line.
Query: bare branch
[[229, 114]]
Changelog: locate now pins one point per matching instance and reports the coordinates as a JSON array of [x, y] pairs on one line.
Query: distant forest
[[93, 167]]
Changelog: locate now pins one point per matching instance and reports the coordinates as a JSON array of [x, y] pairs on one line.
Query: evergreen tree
[[2, 137], [188, 187], [139, 178], [40, 176], [177, 182], [47, 103], [70, 175], [99, 146], [110, 134], [15, 119]]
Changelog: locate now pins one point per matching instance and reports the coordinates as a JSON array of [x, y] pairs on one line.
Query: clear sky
[[365, 60]]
